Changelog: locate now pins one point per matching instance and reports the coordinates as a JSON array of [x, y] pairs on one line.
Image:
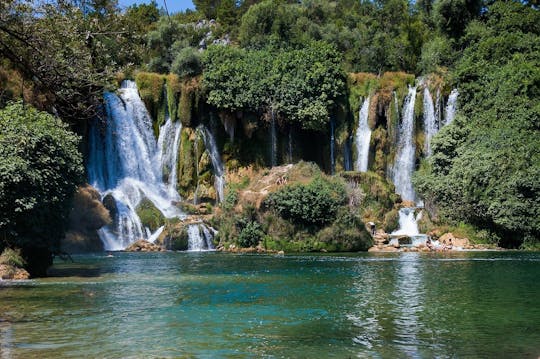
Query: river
[[216, 305]]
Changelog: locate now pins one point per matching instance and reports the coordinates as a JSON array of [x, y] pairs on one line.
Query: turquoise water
[[214, 305]]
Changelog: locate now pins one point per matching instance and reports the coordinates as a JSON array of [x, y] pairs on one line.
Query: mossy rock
[[176, 237], [391, 221], [150, 216]]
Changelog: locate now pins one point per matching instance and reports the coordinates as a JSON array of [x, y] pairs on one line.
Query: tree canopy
[[301, 85], [486, 164], [40, 167]]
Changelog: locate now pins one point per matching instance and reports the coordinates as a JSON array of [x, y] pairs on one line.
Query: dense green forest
[[288, 60]]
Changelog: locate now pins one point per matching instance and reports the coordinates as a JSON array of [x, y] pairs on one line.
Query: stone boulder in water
[[87, 215], [143, 246]]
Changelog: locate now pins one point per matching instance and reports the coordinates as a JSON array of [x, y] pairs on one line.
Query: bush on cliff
[[312, 205], [40, 168]]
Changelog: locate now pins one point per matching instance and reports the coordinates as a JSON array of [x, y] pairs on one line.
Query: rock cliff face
[[216, 144], [88, 214]]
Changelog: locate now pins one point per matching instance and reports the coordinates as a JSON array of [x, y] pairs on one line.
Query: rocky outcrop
[[448, 239], [13, 273], [87, 215], [143, 246]]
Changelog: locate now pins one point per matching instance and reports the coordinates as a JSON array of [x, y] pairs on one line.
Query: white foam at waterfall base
[[200, 238], [408, 222], [408, 226], [362, 138], [126, 162], [403, 167]]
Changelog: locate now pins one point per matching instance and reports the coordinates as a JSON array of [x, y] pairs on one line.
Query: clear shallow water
[[139, 305]]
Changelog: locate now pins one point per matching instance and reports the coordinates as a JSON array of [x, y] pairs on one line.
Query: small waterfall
[[290, 145], [347, 160], [451, 107], [408, 222], [168, 145], [200, 238], [332, 144], [405, 157], [217, 164], [273, 141], [430, 121], [363, 137], [408, 226], [438, 109], [126, 163]]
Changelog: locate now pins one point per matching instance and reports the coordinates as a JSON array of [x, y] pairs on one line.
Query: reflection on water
[[224, 305]]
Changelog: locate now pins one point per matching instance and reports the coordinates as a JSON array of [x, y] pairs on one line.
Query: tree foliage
[[313, 204], [70, 50], [486, 164], [40, 167], [301, 86]]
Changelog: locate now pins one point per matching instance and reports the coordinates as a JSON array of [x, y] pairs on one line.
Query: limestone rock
[[87, 215], [143, 246], [449, 239], [11, 272]]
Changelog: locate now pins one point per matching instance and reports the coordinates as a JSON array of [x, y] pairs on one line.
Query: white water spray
[[405, 158], [430, 121], [362, 138], [451, 107]]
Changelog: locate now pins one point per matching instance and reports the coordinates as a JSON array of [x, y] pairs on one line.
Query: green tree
[[486, 164], [40, 167]]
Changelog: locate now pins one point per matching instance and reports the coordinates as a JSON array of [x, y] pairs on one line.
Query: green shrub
[[314, 204], [12, 257], [187, 62], [231, 198], [250, 235]]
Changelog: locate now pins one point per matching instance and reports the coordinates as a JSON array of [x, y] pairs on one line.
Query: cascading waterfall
[[217, 164], [200, 238], [126, 163], [363, 138], [451, 107], [438, 112], [408, 226], [168, 144], [430, 121], [405, 158]]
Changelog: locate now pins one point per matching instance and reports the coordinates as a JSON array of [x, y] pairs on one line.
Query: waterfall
[[408, 222], [363, 137], [126, 163], [217, 164], [451, 107], [438, 112], [430, 121], [290, 145], [168, 145], [200, 238], [405, 157], [347, 159], [273, 141], [332, 144]]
